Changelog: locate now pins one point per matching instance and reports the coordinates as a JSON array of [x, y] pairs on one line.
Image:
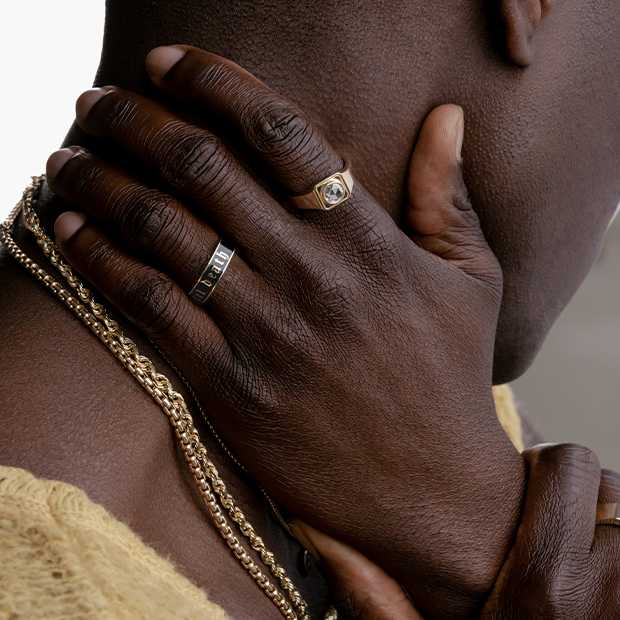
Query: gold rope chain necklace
[[95, 317]]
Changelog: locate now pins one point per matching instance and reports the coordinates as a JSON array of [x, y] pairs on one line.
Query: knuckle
[[609, 490], [559, 591], [202, 75], [98, 256], [284, 341], [278, 128], [564, 470], [194, 163], [150, 300], [116, 112], [80, 177], [152, 219], [460, 197], [570, 456], [327, 294]]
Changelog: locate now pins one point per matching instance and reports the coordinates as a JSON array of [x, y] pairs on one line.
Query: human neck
[[368, 110]]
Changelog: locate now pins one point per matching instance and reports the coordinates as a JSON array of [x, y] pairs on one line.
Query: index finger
[[294, 150]]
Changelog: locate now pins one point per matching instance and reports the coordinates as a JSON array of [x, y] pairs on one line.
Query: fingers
[[287, 142], [191, 160], [607, 541], [142, 218], [196, 164], [609, 489], [438, 210], [290, 145], [152, 224], [360, 589], [562, 496], [561, 564], [146, 296]]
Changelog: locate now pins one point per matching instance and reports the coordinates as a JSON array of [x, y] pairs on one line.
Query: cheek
[[542, 162], [545, 215]]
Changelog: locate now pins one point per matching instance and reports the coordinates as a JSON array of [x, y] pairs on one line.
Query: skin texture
[[541, 155], [296, 308], [561, 565], [541, 164]]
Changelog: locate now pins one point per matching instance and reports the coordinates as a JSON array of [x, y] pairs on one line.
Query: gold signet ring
[[608, 514], [330, 192]]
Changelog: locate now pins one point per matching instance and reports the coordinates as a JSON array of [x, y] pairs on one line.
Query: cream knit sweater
[[64, 557]]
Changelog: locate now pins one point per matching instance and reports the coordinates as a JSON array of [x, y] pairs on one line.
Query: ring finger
[[149, 222]]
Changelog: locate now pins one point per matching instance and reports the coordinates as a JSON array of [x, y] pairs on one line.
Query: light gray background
[[51, 51], [572, 391]]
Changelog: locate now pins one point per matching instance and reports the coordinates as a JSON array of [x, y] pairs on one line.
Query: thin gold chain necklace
[[206, 476]]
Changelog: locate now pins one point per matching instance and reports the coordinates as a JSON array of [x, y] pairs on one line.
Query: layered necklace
[[226, 515]]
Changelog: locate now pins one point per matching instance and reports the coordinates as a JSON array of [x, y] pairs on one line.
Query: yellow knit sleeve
[[507, 414], [63, 556]]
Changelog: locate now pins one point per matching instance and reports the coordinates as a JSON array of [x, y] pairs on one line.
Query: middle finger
[[195, 163], [148, 222]]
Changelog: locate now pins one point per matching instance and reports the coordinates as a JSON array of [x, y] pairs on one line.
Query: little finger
[[147, 297], [147, 221]]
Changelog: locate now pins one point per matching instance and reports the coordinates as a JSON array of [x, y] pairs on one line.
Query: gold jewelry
[[328, 193], [95, 317], [213, 271], [608, 514]]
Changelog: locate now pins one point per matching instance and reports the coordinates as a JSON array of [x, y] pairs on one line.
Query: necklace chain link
[[206, 476]]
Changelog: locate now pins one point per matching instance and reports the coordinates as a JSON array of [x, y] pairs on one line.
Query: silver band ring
[[608, 514], [213, 272], [330, 192]]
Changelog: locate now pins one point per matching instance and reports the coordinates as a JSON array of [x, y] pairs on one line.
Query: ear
[[521, 20]]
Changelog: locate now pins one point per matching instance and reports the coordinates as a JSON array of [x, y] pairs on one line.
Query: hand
[[348, 368], [360, 589], [561, 566]]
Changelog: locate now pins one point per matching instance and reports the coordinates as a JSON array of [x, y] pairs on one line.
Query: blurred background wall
[[572, 391], [51, 51]]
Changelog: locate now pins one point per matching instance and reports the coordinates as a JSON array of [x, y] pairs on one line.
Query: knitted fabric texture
[[507, 414], [64, 557]]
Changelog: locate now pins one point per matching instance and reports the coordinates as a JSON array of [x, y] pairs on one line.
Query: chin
[[516, 350]]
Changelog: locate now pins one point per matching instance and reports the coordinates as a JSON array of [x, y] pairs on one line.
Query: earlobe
[[521, 20]]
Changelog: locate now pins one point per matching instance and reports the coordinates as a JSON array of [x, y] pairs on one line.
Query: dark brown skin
[[561, 565], [307, 295], [542, 148], [542, 234]]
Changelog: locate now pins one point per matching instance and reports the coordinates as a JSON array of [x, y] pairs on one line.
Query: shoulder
[[68, 409], [64, 555]]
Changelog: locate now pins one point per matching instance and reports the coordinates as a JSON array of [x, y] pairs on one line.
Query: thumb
[[361, 589], [438, 210]]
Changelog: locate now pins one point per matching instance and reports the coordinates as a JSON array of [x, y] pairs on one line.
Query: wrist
[[441, 527]]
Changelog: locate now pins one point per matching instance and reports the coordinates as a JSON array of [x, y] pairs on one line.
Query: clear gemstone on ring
[[333, 192]]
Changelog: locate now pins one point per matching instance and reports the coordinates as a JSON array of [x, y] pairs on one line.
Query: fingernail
[[68, 224], [460, 134], [87, 100], [162, 59], [56, 161], [300, 531]]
